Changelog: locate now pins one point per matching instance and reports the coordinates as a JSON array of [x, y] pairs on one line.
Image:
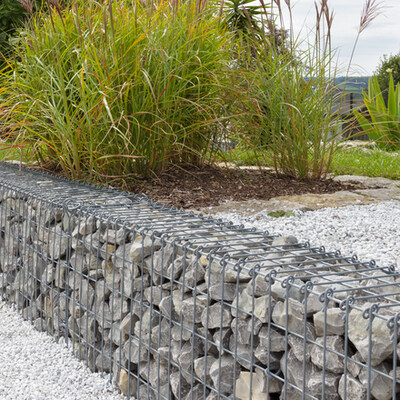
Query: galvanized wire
[[179, 305]]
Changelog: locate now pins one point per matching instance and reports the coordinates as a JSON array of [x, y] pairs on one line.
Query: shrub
[[291, 94], [382, 123], [290, 98], [389, 66], [119, 90]]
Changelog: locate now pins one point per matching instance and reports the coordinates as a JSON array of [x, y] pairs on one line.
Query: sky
[[381, 37]]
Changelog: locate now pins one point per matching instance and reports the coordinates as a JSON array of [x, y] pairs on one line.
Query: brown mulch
[[207, 186]]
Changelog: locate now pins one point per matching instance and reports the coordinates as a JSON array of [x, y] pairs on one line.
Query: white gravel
[[34, 367], [370, 232]]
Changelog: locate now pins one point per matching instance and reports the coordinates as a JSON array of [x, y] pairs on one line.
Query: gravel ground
[[370, 232], [34, 367]]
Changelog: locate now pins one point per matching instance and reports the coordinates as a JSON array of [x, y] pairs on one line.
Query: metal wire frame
[[82, 287]]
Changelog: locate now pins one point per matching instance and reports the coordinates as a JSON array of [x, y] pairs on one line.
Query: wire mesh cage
[[175, 305]]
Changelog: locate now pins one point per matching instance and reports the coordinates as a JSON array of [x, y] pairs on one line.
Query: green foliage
[[280, 214], [366, 162], [287, 116], [12, 16], [241, 17], [382, 123], [388, 66], [103, 91]]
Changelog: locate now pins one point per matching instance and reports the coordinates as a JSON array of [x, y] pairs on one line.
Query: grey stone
[[166, 306], [335, 323], [245, 328], [259, 307], [177, 298], [136, 350], [202, 368], [46, 216], [279, 292], [221, 338], [160, 335], [141, 248], [290, 314], [84, 226], [146, 323], [48, 276], [216, 316], [333, 362], [297, 344], [219, 273], [157, 375], [193, 308], [106, 251], [83, 297], [381, 387], [294, 368], [58, 242], [187, 355], [269, 341], [119, 333], [192, 275], [287, 242], [353, 364], [253, 385], [242, 353], [40, 324], [178, 384], [117, 237], [102, 292], [59, 275], [222, 374], [118, 306], [88, 329], [121, 257], [197, 392], [131, 282], [154, 294], [330, 382], [176, 267], [314, 303], [146, 392], [354, 389], [381, 343], [111, 275], [90, 242], [103, 363]]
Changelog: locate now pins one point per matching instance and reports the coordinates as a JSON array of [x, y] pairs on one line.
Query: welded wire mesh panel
[[179, 306]]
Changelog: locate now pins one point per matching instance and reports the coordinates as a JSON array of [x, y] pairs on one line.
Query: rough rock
[[320, 356], [222, 374], [354, 389], [216, 316], [290, 314], [381, 344], [257, 389], [127, 384], [335, 323], [381, 386]]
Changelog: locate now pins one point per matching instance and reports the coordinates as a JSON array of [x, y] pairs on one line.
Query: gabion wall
[[179, 306]]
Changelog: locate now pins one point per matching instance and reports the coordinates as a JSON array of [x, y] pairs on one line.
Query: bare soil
[[195, 188]]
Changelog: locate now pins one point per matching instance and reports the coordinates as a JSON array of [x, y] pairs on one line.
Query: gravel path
[[370, 232], [34, 367]]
